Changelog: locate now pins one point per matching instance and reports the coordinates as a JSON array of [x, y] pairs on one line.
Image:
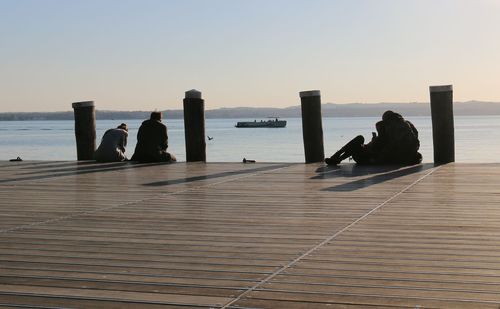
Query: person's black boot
[[333, 160]]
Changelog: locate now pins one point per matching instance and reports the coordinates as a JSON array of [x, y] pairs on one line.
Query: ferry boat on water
[[272, 123]]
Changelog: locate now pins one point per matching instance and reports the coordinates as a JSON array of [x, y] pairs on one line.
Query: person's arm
[[164, 138], [415, 132], [378, 140], [123, 143], [107, 131], [380, 128], [413, 129]]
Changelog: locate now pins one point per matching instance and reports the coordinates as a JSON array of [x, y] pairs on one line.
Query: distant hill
[[328, 110]]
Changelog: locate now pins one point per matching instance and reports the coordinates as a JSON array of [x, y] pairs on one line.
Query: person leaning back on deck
[[397, 143], [113, 143], [152, 141]]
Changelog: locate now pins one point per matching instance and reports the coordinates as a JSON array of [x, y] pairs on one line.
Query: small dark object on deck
[[16, 159], [248, 161]]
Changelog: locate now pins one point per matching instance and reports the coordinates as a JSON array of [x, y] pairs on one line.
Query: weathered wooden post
[[312, 128], [194, 126], [84, 129], [443, 132]]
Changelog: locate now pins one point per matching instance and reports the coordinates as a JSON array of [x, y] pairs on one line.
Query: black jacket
[[397, 142], [152, 142]]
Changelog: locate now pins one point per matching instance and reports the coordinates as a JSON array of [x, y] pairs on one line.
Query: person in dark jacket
[[396, 143], [152, 141]]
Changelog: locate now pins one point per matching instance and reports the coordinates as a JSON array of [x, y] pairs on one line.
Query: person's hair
[[155, 115], [123, 126], [390, 116]]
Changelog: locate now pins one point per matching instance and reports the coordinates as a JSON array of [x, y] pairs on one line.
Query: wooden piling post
[[312, 128], [194, 126], [84, 129], [443, 132]]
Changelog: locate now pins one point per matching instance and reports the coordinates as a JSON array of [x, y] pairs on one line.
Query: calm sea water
[[476, 138]]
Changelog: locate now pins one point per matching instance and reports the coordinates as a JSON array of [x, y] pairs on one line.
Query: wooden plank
[[419, 250], [123, 296], [17, 301], [256, 235], [343, 298]]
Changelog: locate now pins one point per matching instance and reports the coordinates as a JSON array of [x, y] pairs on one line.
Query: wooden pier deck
[[232, 235]]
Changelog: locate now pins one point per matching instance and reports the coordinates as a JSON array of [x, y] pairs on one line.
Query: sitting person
[[113, 143], [397, 143], [152, 141]]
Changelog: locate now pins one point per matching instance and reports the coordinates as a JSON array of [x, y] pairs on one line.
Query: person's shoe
[[333, 160]]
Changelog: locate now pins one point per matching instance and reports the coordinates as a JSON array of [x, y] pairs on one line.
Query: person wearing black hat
[[152, 141]]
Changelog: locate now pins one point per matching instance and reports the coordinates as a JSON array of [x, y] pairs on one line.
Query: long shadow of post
[[77, 169], [382, 173], [216, 175]]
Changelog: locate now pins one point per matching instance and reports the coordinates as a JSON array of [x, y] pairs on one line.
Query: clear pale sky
[[144, 54]]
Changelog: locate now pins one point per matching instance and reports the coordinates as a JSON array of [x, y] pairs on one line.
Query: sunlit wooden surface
[[233, 235]]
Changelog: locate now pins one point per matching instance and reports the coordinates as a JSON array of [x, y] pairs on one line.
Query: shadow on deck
[[233, 235]]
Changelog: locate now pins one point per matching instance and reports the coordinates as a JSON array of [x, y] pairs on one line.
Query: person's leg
[[363, 156], [353, 146], [167, 157]]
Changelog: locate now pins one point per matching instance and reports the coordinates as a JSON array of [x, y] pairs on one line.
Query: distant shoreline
[[470, 108]]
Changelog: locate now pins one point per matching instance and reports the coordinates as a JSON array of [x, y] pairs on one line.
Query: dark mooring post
[[312, 128], [84, 129], [194, 126], [443, 132]]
